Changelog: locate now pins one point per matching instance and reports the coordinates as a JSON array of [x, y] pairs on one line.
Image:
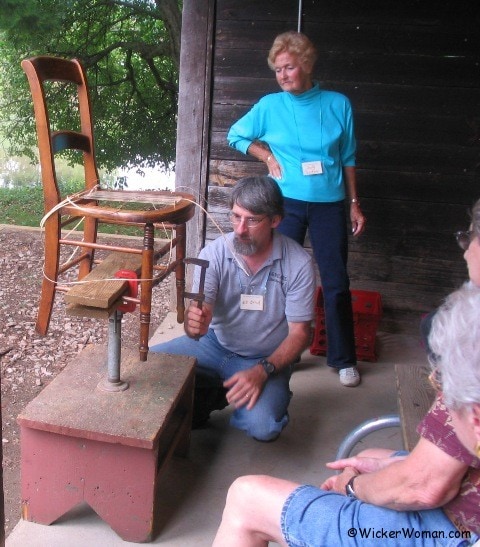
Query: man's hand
[[245, 387], [198, 320]]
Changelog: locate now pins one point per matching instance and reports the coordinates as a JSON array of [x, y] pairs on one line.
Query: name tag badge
[[253, 302], [312, 168]]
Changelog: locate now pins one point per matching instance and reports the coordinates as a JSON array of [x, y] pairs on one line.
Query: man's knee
[[266, 436], [171, 346], [267, 430]]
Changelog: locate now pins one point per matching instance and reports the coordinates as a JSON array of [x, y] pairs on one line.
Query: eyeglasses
[[464, 239], [251, 222], [435, 379]]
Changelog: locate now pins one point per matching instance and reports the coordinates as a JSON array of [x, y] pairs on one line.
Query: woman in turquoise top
[[305, 137]]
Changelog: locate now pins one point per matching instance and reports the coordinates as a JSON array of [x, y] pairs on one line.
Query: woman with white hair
[[430, 496]]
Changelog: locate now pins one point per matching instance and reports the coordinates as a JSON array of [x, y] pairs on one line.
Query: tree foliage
[[131, 52]]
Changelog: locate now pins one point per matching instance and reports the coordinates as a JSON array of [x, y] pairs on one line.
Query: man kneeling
[[255, 319]]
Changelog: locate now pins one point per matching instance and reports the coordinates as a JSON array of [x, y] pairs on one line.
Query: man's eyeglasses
[[251, 222], [464, 239]]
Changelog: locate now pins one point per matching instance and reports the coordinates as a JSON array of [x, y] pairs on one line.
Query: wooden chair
[[165, 209]]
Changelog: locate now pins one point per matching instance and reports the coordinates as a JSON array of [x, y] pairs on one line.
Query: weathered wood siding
[[411, 70]]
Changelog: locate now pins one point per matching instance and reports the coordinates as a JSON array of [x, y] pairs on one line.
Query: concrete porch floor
[[193, 490]]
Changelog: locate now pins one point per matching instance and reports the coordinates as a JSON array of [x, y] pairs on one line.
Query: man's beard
[[243, 247]]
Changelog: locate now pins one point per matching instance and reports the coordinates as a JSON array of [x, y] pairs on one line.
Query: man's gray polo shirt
[[287, 281]]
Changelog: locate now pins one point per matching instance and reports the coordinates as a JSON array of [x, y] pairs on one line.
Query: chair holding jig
[[165, 210]]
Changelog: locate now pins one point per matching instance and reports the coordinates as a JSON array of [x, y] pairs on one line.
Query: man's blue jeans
[[269, 416], [327, 227]]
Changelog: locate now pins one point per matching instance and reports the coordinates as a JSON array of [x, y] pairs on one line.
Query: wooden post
[[194, 111]]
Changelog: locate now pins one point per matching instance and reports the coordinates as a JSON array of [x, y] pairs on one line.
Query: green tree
[[131, 52]]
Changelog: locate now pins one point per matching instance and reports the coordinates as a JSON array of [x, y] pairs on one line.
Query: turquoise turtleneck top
[[314, 126]]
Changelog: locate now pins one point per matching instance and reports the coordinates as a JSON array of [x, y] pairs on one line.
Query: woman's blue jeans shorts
[[312, 517]]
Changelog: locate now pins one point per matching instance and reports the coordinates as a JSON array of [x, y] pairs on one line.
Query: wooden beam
[[194, 110]]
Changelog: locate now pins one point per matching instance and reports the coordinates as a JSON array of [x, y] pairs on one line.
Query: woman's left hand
[[357, 219]]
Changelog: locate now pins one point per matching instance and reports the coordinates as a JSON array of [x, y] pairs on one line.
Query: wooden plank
[[407, 186], [384, 126], [415, 397], [403, 156], [401, 186], [97, 289], [410, 70], [370, 37], [315, 12], [407, 270], [77, 310], [243, 90], [394, 227]]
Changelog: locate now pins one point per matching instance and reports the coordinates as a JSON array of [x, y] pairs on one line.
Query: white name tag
[[251, 302], [312, 168]]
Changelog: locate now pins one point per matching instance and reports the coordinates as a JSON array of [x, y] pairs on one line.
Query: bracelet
[[269, 158], [349, 490], [354, 200]]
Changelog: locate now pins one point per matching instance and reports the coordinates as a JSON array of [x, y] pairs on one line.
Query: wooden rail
[[415, 396]]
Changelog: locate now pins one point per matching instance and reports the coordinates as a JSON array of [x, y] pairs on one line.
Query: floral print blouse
[[436, 427]]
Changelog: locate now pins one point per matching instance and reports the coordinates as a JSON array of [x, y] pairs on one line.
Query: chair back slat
[[43, 69], [56, 69], [69, 140]]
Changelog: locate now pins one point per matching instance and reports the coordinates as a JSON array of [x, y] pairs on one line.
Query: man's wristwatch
[[349, 488], [268, 367]]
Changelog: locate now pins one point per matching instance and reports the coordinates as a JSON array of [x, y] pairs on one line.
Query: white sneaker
[[349, 377]]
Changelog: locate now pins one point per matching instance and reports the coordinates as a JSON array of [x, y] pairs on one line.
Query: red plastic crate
[[367, 312]]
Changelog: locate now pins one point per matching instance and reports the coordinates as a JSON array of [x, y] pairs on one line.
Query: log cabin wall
[[411, 70]]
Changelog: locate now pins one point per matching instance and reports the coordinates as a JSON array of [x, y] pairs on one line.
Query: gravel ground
[[30, 361]]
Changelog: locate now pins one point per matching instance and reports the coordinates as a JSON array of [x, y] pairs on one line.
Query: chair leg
[[50, 273], [146, 285], [89, 236], [45, 307], [180, 251]]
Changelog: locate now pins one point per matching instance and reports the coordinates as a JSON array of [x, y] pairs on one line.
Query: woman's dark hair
[[260, 195]]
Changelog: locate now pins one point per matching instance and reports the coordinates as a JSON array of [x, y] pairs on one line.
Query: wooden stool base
[[82, 444]]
